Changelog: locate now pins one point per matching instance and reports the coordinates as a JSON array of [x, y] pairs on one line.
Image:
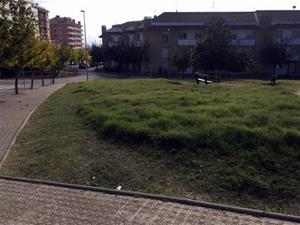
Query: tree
[[98, 55], [215, 52], [83, 55], [127, 55], [182, 58], [41, 59], [79, 55], [136, 56], [61, 56], [17, 35], [274, 55]]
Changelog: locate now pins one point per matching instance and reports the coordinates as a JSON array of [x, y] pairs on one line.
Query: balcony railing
[[290, 41], [191, 42], [114, 44], [294, 57], [250, 42]]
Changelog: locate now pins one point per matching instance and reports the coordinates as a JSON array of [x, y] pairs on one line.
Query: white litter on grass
[[119, 188]]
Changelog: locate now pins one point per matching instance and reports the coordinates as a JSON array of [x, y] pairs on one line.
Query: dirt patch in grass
[[218, 143]]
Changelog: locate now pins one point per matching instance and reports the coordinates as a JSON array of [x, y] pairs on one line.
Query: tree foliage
[[17, 37], [20, 46], [273, 55], [125, 55], [60, 57], [182, 58], [79, 56], [215, 52], [98, 55]]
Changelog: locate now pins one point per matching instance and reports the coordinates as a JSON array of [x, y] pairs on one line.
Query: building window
[[164, 53], [183, 36], [165, 38], [164, 65], [198, 37], [296, 34], [138, 37], [234, 36]]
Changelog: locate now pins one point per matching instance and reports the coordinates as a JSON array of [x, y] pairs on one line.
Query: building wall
[[41, 16], [161, 61], [65, 30], [43, 23], [162, 39]]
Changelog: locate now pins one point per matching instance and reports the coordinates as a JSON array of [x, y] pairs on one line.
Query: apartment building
[[250, 30], [65, 30], [27, 4], [41, 16], [43, 22]]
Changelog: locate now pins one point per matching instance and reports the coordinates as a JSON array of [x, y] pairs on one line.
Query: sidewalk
[[14, 109], [32, 204]]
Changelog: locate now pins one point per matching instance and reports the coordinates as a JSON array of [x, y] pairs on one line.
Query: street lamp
[[85, 44]]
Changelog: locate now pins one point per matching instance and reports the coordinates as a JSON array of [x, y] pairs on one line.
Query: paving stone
[[35, 204]]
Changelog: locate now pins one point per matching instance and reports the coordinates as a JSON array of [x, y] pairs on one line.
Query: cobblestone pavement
[[35, 204], [14, 109]]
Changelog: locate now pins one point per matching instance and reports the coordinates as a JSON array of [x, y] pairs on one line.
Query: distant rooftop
[[63, 20], [254, 18]]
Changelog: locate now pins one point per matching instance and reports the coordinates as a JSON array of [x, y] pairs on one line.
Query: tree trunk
[[18, 73], [54, 75], [53, 78], [32, 80], [42, 75]]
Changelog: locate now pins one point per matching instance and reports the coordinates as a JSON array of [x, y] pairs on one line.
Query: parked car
[[73, 69], [82, 66]]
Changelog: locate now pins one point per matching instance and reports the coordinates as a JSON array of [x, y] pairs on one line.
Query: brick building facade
[[65, 30], [43, 22]]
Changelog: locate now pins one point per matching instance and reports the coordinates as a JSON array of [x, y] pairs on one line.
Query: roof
[[130, 26], [231, 18], [40, 8], [234, 19], [281, 16], [203, 17]]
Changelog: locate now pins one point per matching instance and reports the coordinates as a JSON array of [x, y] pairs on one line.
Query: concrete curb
[[251, 212], [23, 125]]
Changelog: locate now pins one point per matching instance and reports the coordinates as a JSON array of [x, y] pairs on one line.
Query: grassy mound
[[248, 132]]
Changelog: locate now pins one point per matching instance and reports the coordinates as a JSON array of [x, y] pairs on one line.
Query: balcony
[[114, 44], [290, 41], [245, 42], [191, 42], [294, 57]]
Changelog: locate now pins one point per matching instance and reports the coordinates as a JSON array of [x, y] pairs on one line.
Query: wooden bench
[[201, 77], [273, 79]]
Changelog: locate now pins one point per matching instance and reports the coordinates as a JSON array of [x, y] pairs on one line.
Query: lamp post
[[85, 45]]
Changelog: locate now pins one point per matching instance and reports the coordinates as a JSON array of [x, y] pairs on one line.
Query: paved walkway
[[36, 204], [14, 109]]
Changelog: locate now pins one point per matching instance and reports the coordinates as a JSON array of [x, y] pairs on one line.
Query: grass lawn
[[234, 142]]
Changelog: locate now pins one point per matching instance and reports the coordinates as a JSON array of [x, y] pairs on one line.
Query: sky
[[111, 12]]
